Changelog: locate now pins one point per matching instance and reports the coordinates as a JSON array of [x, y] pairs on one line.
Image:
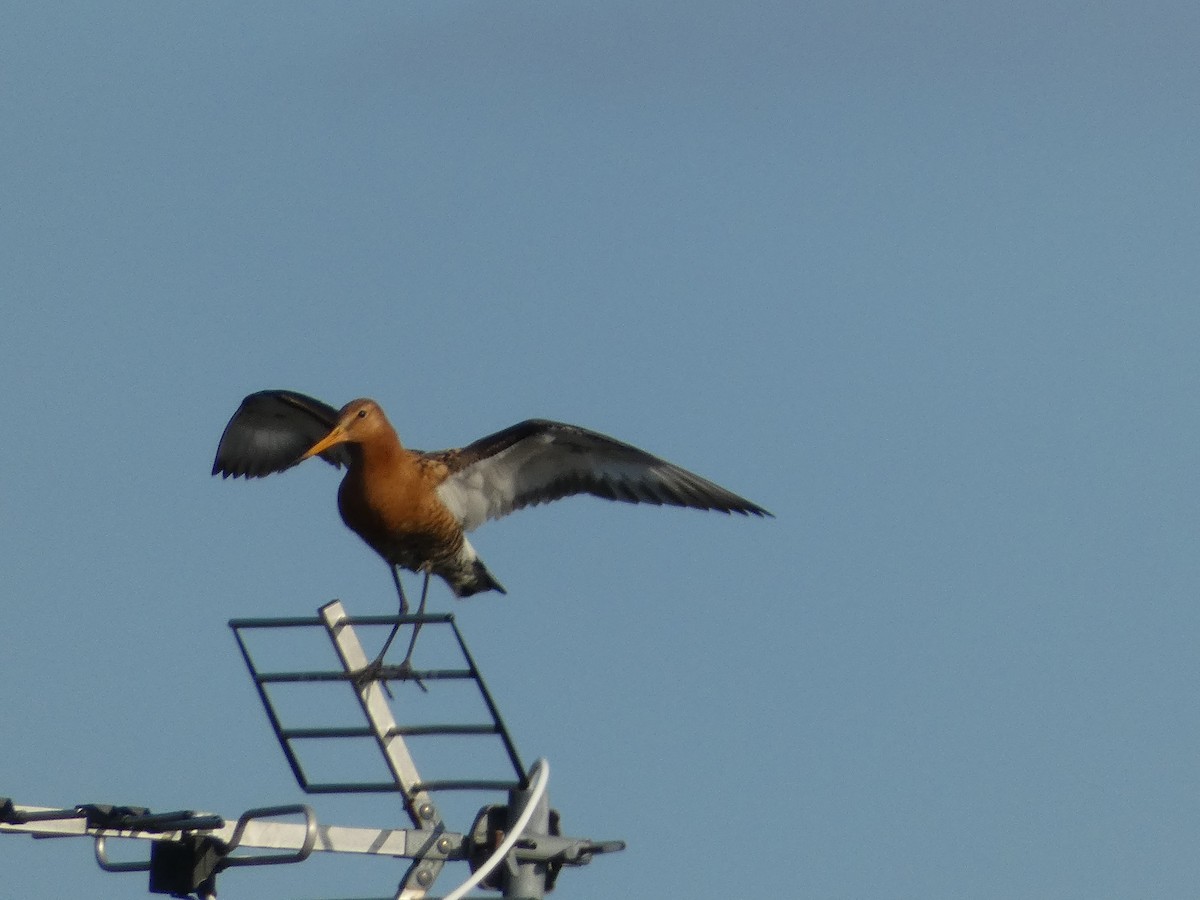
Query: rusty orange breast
[[389, 499]]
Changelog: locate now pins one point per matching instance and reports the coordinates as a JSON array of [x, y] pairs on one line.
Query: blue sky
[[919, 278]]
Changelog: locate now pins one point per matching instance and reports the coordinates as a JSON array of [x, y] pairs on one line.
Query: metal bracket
[[189, 863]]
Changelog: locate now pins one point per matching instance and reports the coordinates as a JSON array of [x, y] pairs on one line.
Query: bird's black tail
[[477, 581]]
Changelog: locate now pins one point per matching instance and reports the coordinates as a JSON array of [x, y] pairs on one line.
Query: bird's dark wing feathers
[[270, 431], [538, 461]]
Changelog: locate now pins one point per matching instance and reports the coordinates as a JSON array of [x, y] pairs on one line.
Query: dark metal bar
[[311, 621], [405, 675], [353, 787], [291, 622], [410, 619], [409, 730], [399, 673], [388, 787], [49, 815], [183, 820], [276, 726], [509, 746], [296, 677], [350, 731]]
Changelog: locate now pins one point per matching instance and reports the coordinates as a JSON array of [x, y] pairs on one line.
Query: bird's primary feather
[[537, 461], [271, 430]]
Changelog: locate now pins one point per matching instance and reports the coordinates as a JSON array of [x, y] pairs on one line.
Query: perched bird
[[414, 508]]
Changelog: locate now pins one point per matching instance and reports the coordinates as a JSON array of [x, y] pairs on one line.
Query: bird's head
[[358, 422]]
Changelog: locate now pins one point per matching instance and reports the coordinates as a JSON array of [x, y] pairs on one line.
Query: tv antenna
[[514, 846]]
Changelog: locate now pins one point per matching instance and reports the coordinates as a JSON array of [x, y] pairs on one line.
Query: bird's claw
[[377, 671], [405, 672]]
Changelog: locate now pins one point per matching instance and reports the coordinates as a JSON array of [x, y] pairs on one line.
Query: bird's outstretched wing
[[270, 431], [538, 461]]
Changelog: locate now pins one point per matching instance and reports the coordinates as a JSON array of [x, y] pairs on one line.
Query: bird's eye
[[362, 413]]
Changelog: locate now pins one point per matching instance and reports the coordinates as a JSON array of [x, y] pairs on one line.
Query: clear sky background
[[920, 278]]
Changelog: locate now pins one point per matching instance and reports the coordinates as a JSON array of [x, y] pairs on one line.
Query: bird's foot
[[377, 671], [406, 672], [372, 671]]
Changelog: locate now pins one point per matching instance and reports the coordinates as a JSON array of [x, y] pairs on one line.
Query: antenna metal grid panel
[[189, 849]]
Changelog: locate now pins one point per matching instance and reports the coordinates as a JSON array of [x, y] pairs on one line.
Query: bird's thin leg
[[399, 590], [403, 611], [417, 627], [374, 670]]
